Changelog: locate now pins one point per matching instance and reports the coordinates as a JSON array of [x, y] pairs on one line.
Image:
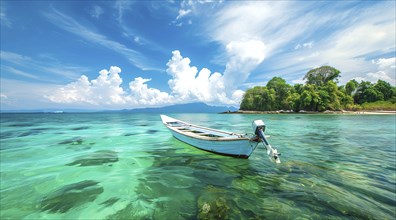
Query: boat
[[221, 142]]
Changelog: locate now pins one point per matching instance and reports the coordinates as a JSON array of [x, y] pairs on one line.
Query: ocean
[[128, 166]]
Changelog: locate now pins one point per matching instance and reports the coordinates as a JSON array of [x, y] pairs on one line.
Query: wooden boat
[[217, 141]]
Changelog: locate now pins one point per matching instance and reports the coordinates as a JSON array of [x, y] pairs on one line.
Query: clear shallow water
[[128, 166]]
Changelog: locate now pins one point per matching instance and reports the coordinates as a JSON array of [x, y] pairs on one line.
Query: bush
[[379, 105], [353, 107]]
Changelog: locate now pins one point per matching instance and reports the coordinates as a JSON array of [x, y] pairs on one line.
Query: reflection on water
[[128, 166]]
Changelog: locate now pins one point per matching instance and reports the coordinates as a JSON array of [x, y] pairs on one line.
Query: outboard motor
[[258, 129]]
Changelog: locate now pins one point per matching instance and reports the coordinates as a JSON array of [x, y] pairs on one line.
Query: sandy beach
[[311, 112]]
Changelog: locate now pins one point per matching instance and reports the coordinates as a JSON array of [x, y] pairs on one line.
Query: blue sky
[[124, 54]]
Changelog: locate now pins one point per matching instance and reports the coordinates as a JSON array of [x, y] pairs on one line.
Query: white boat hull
[[230, 144]]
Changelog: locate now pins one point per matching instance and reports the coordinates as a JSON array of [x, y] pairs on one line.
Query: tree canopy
[[322, 75], [320, 93]]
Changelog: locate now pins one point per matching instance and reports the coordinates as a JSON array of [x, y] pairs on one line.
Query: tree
[[372, 95], [322, 75], [281, 89], [259, 98], [367, 92], [319, 94], [333, 96], [269, 99], [309, 98], [294, 101], [299, 88], [324, 100], [351, 86], [247, 101], [385, 88], [305, 100]]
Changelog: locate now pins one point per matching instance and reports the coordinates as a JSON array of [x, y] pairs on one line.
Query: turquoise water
[[128, 166]]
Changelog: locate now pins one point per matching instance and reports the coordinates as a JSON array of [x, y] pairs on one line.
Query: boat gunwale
[[193, 135]]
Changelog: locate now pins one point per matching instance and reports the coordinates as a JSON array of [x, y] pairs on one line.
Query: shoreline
[[378, 112]]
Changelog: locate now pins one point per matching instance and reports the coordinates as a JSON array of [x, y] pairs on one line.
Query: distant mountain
[[198, 107], [185, 108]]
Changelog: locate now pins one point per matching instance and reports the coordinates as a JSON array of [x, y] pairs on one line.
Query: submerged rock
[[110, 201], [212, 204], [79, 147], [34, 131], [246, 184], [80, 128], [22, 125], [73, 141], [151, 131], [70, 196], [96, 158], [130, 134]]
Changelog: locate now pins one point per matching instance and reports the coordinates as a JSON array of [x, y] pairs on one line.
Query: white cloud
[[96, 11], [142, 95], [25, 95], [121, 6], [182, 13], [18, 72], [3, 96], [137, 39], [244, 56], [43, 66], [69, 24], [307, 45], [186, 85], [14, 57], [3, 16], [104, 90], [188, 7], [263, 20], [384, 63], [386, 70], [338, 40]]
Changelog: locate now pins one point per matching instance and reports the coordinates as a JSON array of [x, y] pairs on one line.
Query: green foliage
[[351, 86], [282, 91], [259, 98], [320, 93], [385, 88], [322, 75], [368, 92], [379, 105]]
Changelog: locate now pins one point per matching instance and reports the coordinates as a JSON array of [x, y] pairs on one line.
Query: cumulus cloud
[[384, 63], [104, 90], [187, 84], [244, 56], [141, 94], [386, 70]]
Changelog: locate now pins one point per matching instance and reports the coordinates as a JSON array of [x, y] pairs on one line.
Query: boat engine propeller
[[259, 128]]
